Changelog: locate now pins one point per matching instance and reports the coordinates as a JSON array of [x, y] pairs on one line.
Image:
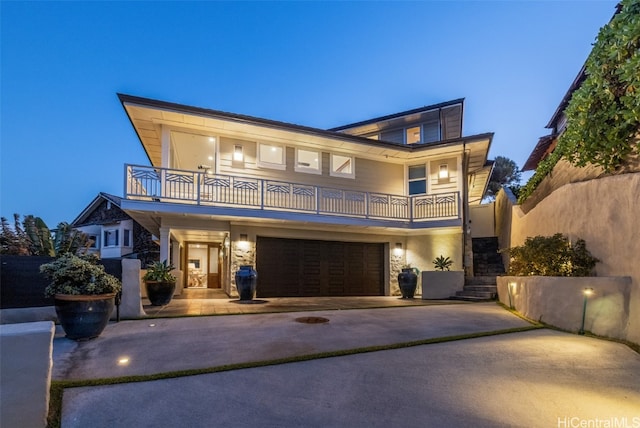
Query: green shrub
[[551, 256]]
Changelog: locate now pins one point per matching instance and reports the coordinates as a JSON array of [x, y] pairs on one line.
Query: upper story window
[[413, 135], [342, 166], [271, 156], [309, 161], [126, 239], [111, 238], [417, 179]]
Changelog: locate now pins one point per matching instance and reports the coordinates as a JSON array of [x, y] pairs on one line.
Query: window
[[271, 156], [342, 166], [308, 161], [126, 239], [413, 135], [417, 180], [111, 238], [93, 241]]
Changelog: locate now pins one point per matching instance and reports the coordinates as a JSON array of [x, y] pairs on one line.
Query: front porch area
[[215, 302]]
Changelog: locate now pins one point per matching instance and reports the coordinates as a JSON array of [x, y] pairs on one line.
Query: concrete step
[[486, 288], [480, 280], [482, 294], [471, 299]]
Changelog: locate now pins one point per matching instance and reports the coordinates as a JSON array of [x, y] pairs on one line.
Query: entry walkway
[[272, 370], [185, 305]]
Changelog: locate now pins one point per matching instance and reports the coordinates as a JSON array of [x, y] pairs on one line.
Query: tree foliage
[[32, 237], [505, 173], [603, 115]]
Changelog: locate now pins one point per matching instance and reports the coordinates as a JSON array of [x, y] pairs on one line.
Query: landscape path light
[[588, 291]]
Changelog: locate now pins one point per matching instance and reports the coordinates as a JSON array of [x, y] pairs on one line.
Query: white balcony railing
[[193, 187]]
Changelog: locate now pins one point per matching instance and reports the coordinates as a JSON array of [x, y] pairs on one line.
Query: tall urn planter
[[408, 282], [246, 280]]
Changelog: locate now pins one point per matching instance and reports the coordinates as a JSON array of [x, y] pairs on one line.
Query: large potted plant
[[84, 294], [160, 283]]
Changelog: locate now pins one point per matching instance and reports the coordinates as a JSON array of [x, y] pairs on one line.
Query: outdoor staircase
[[487, 264]]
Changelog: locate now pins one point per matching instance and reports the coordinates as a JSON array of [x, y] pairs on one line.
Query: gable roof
[[93, 205]]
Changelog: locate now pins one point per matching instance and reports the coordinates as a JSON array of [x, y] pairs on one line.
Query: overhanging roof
[[147, 117], [392, 117]]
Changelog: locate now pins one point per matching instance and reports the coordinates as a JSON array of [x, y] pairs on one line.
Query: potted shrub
[[442, 282], [84, 294], [160, 283]]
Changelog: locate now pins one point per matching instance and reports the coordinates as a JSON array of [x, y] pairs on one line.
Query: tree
[[13, 241], [505, 173], [34, 238]]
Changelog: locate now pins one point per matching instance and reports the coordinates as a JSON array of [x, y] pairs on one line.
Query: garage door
[[297, 267]]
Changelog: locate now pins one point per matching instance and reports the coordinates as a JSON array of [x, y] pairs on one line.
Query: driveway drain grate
[[312, 320]]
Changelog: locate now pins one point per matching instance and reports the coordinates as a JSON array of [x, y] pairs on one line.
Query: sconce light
[[588, 291], [243, 237], [398, 250], [226, 241], [444, 171], [238, 154]]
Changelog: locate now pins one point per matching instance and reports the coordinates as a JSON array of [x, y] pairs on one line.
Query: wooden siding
[[451, 122], [439, 185], [371, 175], [393, 136]]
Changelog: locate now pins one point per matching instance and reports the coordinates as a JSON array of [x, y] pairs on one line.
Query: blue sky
[[65, 137]]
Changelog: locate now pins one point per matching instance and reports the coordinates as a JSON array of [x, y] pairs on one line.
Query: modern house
[[113, 233], [317, 212]]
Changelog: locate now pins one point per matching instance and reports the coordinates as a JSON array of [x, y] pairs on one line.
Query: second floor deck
[[271, 198]]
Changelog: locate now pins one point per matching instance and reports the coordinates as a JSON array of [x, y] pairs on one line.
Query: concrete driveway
[[532, 378]]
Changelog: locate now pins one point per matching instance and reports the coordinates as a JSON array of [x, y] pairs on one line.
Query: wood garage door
[[297, 268]]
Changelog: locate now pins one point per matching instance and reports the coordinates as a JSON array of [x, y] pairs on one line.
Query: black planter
[[84, 317], [246, 279], [160, 293], [408, 281]]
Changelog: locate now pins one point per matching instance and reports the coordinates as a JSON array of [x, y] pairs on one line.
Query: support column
[[164, 244]]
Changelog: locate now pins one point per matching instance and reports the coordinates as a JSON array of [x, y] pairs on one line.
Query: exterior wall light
[[588, 291], [444, 171], [238, 153], [398, 250], [243, 237]]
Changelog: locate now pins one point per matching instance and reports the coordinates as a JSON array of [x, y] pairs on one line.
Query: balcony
[[144, 183]]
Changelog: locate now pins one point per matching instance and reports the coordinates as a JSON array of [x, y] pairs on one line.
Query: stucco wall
[[604, 212], [559, 301], [482, 220]]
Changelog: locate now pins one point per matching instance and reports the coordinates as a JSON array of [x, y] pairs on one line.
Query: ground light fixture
[[511, 291], [588, 291]]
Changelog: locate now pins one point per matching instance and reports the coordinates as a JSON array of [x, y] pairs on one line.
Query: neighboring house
[[114, 234], [317, 212]]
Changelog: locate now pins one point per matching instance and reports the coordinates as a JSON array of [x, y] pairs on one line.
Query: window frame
[[334, 173], [264, 164], [425, 179], [106, 234], [308, 169]]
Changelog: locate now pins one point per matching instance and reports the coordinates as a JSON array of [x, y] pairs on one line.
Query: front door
[[213, 274]]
